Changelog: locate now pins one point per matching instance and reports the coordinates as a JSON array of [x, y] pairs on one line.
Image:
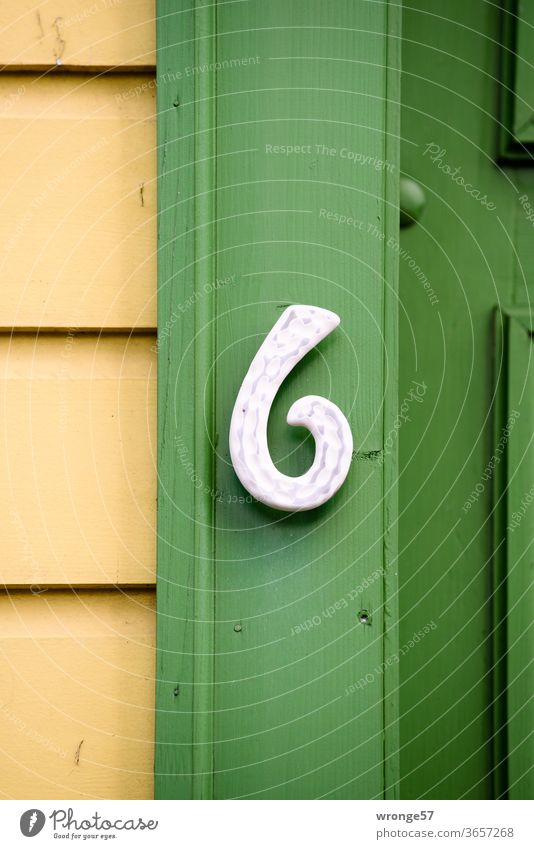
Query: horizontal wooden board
[[77, 467], [76, 695], [78, 206], [77, 33]]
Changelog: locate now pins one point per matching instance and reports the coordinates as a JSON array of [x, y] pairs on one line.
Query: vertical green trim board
[[186, 259], [278, 174], [391, 396], [204, 387]]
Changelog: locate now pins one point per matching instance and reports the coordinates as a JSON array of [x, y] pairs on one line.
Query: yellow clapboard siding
[[78, 205], [77, 695], [83, 34], [77, 466]]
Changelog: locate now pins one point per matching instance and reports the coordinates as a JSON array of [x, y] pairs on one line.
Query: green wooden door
[[278, 178], [465, 687]]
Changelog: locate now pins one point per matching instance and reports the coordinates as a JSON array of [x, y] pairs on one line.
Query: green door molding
[[516, 131], [277, 655], [514, 562]]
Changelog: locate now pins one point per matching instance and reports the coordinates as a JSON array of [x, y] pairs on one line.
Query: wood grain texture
[[76, 695], [77, 214], [77, 34], [284, 721], [78, 491], [77, 466]]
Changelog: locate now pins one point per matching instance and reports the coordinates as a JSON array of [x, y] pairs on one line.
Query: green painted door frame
[[277, 657]]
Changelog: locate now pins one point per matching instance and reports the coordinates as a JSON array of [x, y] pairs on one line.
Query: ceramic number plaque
[[295, 333]]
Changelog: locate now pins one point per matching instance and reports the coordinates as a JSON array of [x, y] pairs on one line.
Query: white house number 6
[[295, 333]]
